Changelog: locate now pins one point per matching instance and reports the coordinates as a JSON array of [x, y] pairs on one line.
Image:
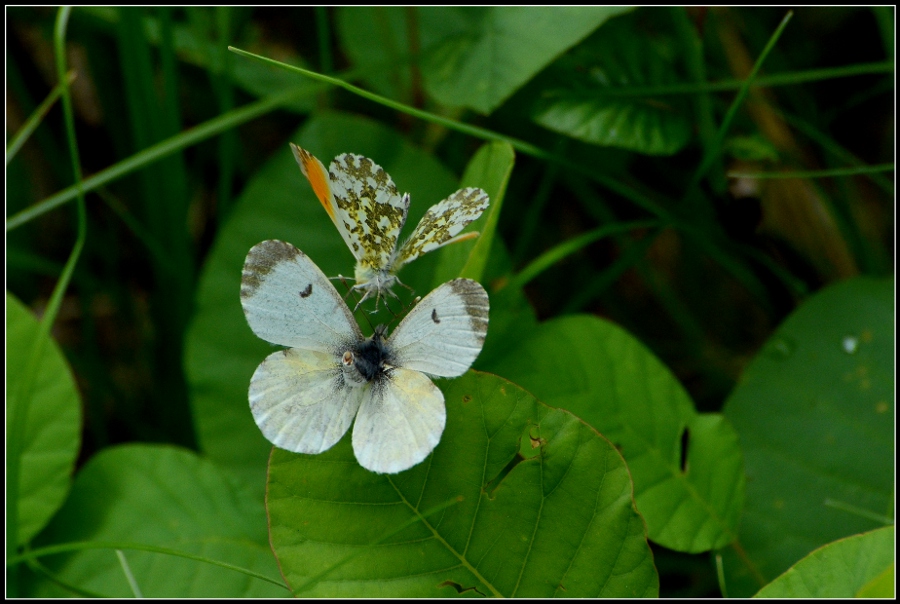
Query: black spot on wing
[[306, 293], [262, 260]]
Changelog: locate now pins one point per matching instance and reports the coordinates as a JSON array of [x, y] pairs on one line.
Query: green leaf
[[839, 569], [475, 518], [606, 377], [815, 415], [278, 203], [882, 586], [477, 57], [489, 169], [162, 496], [53, 429], [374, 37], [579, 99]]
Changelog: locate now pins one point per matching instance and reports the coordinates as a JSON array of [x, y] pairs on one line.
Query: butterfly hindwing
[[443, 334], [441, 224], [400, 424], [299, 401], [288, 300]]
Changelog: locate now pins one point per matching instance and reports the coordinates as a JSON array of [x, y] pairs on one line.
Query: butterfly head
[[367, 362]]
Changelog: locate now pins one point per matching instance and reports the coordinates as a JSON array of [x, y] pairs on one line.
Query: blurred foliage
[[613, 111]]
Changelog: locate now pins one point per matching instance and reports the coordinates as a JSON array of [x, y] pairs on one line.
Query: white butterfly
[[365, 206], [304, 398]]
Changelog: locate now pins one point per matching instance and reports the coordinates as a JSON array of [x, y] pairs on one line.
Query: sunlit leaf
[[525, 501], [53, 428], [815, 415], [606, 377], [168, 497], [477, 57], [839, 569]]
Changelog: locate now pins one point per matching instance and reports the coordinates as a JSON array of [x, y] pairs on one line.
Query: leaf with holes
[[815, 413], [518, 499], [691, 499]]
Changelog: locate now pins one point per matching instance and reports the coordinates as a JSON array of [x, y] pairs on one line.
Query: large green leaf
[[166, 497], [222, 352], [477, 57], [489, 169], [815, 414], [472, 57], [53, 425], [518, 499], [376, 39], [838, 570], [606, 377], [578, 99]]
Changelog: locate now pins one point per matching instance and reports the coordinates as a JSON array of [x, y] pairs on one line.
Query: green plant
[[686, 386]]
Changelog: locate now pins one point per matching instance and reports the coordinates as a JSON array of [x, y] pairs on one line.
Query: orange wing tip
[[315, 173]]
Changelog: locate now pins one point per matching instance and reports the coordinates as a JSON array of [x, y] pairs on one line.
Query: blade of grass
[[35, 119], [16, 424], [156, 152], [57, 166], [228, 142], [831, 146], [129, 576], [570, 246], [713, 151], [696, 69], [154, 116], [830, 173], [78, 546]]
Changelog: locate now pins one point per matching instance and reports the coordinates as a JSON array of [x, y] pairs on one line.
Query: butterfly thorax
[[365, 363], [373, 280]]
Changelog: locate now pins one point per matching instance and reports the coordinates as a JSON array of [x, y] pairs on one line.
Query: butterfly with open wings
[[305, 397]]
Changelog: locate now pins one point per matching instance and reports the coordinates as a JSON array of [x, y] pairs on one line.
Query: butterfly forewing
[[369, 206], [288, 301], [299, 401], [441, 224], [443, 334], [318, 178], [401, 424]]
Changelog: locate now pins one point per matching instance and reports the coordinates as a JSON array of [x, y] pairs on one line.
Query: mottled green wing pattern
[[369, 207], [441, 224]]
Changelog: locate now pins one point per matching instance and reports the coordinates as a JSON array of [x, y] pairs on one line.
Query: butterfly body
[[305, 398], [368, 211]]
